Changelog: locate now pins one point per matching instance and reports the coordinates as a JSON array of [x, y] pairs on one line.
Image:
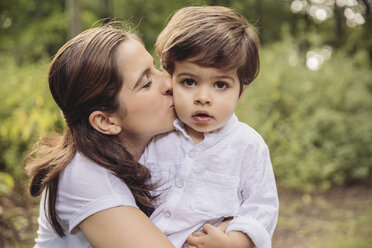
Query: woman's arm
[[125, 227]]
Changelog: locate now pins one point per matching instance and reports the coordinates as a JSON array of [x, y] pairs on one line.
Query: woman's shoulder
[[83, 167], [86, 188], [85, 178]]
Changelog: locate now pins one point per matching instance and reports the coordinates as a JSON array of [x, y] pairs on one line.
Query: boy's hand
[[213, 237], [223, 225]]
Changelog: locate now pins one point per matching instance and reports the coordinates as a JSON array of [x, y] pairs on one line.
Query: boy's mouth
[[201, 114], [202, 117]]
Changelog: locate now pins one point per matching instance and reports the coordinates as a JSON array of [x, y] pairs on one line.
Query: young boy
[[212, 166]]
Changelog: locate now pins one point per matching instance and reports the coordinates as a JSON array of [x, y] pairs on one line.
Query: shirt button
[[167, 214], [179, 184], [192, 154]]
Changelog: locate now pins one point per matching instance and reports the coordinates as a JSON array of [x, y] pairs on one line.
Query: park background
[[312, 103]]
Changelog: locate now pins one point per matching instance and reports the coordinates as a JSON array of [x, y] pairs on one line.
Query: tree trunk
[[225, 3], [368, 28], [74, 23], [106, 14], [259, 15], [339, 29]]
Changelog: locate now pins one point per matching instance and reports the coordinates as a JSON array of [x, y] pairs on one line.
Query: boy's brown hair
[[211, 36]]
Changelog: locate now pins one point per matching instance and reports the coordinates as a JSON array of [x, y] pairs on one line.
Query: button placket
[[167, 214], [179, 183], [192, 154]]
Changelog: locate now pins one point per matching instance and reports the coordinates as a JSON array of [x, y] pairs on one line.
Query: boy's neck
[[196, 136]]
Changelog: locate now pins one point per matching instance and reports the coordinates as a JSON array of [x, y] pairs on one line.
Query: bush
[[317, 124], [27, 112]]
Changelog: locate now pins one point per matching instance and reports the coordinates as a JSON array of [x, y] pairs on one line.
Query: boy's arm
[[258, 212]]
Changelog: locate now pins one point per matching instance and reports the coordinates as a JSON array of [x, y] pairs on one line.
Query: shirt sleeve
[[258, 213], [86, 188]]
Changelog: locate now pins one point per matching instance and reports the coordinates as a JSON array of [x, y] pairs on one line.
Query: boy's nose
[[202, 97]]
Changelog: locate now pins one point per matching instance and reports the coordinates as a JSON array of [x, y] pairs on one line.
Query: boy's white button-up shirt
[[228, 174]]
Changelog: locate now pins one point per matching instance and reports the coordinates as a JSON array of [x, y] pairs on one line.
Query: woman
[[114, 100]]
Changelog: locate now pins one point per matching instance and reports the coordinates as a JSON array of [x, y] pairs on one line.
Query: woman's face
[[145, 102]]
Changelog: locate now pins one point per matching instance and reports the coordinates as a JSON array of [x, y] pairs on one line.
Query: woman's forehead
[[133, 61]]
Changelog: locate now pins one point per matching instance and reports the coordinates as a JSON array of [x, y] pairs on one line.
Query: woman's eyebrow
[[139, 80]]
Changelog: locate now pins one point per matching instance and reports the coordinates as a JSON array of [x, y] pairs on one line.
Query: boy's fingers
[[223, 225], [207, 228], [195, 238], [198, 234]]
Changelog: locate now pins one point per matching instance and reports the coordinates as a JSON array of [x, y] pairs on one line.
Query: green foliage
[[26, 112], [6, 183], [317, 124], [30, 29], [148, 16]]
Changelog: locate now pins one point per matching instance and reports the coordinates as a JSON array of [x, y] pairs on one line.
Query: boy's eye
[[189, 82], [147, 85], [221, 85]]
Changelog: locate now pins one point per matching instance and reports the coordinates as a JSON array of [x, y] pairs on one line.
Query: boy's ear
[[242, 92], [105, 123]]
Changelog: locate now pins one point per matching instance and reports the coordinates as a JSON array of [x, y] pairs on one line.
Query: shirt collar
[[180, 126], [213, 136]]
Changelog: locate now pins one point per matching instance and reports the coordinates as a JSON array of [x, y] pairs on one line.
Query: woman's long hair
[[84, 77]]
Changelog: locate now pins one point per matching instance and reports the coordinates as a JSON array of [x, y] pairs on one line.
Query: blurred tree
[[351, 19], [368, 27], [106, 9], [220, 2], [339, 25], [31, 29], [74, 24]]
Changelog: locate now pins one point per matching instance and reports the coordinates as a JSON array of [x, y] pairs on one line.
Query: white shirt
[[84, 189], [229, 173]]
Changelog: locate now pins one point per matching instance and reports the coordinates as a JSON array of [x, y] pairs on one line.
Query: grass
[[339, 218]]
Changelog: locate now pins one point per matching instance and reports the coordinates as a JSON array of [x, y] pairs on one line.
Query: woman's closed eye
[[147, 85], [188, 82], [220, 85]]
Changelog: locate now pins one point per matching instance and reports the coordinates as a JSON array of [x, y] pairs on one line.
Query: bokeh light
[[316, 58], [321, 10]]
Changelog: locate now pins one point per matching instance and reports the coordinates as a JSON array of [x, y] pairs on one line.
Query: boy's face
[[204, 97]]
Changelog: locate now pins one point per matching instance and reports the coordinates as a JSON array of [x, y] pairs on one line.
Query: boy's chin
[[204, 128]]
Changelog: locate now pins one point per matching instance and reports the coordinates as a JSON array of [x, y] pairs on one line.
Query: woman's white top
[[84, 189]]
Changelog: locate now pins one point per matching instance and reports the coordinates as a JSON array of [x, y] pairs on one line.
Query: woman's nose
[[167, 88]]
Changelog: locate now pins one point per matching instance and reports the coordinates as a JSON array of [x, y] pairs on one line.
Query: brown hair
[[84, 77], [212, 36]]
